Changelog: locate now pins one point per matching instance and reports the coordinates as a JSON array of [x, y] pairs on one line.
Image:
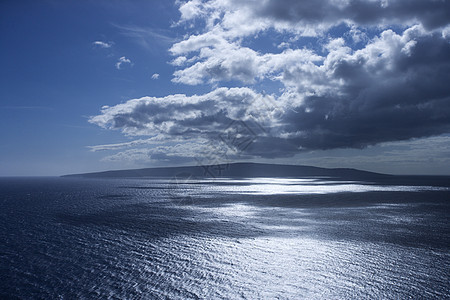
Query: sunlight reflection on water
[[274, 186], [262, 238]]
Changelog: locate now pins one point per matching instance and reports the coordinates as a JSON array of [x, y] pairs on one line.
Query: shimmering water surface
[[259, 238]]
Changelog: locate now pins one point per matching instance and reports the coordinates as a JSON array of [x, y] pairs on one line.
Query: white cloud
[[122, 60], [102, 44], [132, 155], [184, 116], [155, 76], [229, 61], [146, 37], [180, 152], [140, 142], [190, 10]]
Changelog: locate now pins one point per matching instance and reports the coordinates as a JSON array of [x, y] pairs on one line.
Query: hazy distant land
[[240, 170], [234, 170]]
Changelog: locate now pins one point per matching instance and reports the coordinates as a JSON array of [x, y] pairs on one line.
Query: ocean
[[249, 238]]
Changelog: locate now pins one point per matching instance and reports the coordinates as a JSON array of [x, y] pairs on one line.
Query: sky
[[99, 85]]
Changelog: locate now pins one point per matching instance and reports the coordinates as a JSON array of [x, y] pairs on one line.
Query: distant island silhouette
[[236, 170], [246, 170]]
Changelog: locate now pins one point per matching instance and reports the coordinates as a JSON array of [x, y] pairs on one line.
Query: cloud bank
[[372, 72]]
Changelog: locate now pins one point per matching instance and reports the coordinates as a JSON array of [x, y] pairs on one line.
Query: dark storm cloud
[[406, 96], [432, 13]]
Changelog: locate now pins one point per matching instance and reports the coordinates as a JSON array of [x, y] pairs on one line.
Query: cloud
[[146, 37], [140, 142], [102, 44], [184, 116], [117, 146], [395, 88], [429, 155], [155, 76], [133, 155], [431, 14], [122, 60], [179, 153], [384, 78], [232, 62], [190, 9], [245, 17]]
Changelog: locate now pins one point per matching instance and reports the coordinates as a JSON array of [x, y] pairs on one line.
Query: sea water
[[249, 238]]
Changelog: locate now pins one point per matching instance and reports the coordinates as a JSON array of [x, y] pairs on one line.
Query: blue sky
[[98, 85]]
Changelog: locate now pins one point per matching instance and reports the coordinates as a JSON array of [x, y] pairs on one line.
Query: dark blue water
[[250, 238]]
